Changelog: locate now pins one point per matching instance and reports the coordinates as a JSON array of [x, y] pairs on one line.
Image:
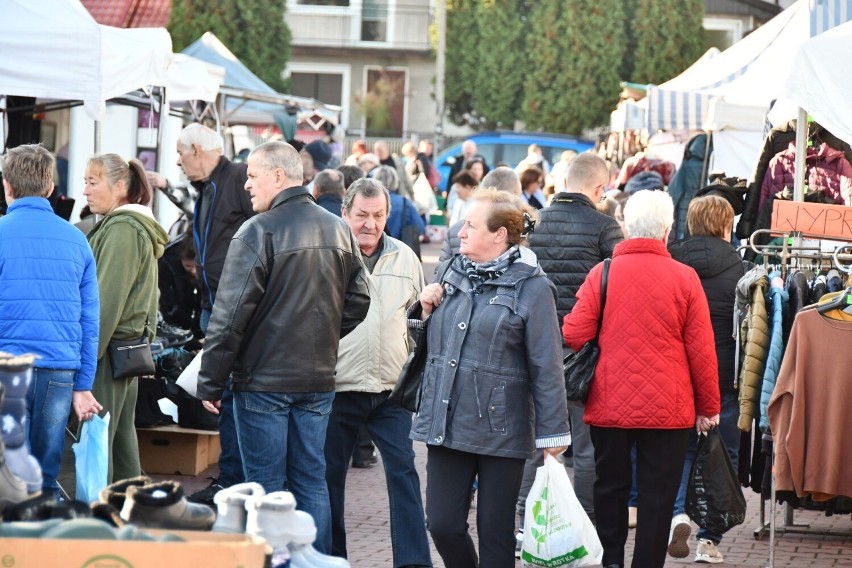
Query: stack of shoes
[[289, 532], [679, 536], [16, 377], [162, 505], [206, 496]]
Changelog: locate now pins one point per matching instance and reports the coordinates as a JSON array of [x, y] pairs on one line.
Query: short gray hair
[[280, 155], [648, 214], [585, 171], [205, 138], [368, 188], [387, 176], [329, 181], [502, 179]]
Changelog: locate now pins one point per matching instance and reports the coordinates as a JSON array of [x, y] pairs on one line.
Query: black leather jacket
[[292, 286]]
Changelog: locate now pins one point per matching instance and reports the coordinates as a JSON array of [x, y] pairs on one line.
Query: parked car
[[509, 148]]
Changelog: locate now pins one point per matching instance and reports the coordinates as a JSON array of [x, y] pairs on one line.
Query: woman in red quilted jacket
[[656, 378]]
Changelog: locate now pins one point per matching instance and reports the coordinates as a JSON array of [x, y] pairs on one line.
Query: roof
[[130, 13]]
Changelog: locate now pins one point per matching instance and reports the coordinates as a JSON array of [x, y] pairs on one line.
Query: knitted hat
[[320, 152]]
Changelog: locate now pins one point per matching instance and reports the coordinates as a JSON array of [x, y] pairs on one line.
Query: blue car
[[509, 148]]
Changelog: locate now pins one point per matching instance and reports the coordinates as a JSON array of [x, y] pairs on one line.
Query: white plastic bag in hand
[[188, 379], [557, 531]]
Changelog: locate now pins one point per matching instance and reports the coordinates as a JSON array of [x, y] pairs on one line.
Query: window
[[323, 2], [374, 20], [325, 87]]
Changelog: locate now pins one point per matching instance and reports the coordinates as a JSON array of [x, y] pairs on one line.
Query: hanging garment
[[687, 181], [641, 163], [778, 299], [752, 329], [827, 170], [809, 410]]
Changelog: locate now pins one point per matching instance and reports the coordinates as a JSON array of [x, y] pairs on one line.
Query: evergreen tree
[[669, 37], [462, 57], [503, 63], [574, 51], [254, 30]]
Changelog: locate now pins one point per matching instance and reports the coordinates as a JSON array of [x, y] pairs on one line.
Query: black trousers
[[659, 465], [449, 478]]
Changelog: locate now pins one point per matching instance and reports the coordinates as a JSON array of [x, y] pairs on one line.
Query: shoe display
[[46, 506], [519, 543], [708, 553], [116, 493], [205, 496], [632, 515], [16, 376], [679, 536], [162, 505], [231, 506]]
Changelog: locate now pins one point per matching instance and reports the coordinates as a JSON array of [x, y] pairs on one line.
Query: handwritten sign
[[812, 219]]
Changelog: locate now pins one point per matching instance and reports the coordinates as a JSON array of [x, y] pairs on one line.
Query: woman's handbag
[[131, 357], [407, 386], [579, 367]]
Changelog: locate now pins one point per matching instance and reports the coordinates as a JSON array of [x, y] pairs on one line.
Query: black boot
[[116, 493], [16, 375], [162, 505]]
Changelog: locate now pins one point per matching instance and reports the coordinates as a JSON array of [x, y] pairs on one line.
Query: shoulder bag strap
[[604, 282]]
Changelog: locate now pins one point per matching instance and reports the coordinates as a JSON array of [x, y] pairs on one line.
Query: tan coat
[[754, 342]]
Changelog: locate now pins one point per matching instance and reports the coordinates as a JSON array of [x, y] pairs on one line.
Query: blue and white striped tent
[[749, 72]]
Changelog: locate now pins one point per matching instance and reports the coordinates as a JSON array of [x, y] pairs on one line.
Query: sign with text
[[813, 219]]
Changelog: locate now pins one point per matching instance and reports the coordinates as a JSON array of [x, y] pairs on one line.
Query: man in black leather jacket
[[292, 286]]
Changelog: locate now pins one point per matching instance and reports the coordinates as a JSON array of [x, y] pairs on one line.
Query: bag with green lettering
[[557, 531]]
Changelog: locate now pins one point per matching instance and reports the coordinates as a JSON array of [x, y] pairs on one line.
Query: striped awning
[[825, 14]]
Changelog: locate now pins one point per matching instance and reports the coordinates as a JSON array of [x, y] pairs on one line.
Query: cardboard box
[[208, 549], [176, 450]]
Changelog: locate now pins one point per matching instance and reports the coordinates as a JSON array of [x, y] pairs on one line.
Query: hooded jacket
[[570, 238], [778, 298], [719, 268], [48, 290], [292, 286], [752, 327], [493, 381], [657, 366], [827, 171], [687, 181], [126, 243]]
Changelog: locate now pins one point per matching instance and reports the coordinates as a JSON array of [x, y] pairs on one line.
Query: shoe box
[[176, 450], [212, 550]]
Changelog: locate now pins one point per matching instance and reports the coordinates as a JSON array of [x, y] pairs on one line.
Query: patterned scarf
[[480, 272]]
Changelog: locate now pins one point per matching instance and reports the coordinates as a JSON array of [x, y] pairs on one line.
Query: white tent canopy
[[820, 83], [54, 49], [191, 79]]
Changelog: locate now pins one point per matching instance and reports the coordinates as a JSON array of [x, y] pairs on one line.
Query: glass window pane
[[323, 2]]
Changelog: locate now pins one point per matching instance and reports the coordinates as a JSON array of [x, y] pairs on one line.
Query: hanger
[[843, 301]]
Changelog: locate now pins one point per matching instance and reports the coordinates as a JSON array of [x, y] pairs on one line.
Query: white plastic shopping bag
[[557, 531], [188, 379]]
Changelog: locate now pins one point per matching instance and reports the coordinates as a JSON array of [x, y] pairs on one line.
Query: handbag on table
[[579, 367], [131, 357]]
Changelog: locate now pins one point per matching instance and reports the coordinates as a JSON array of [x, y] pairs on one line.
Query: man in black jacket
[[222, 206], [570, 238], [292, 286]]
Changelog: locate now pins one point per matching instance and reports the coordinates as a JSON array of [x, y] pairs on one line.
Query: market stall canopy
[[54, 49], [249, 99], [191, 79], [818, 82]]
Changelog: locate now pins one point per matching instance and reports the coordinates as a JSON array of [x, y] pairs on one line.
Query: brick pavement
[[369, 530]]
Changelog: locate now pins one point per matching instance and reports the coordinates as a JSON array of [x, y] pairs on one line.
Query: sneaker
[[205, 496], [679, 536], [519, 542], [707, 552]]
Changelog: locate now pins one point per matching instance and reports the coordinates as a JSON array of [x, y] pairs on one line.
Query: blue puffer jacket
[[778, 298], [48, 290]]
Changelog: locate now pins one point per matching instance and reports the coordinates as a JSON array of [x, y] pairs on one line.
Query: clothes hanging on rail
[[810, 408], [826, 170], [752, 334]]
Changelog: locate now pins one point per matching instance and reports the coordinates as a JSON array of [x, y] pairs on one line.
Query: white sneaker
[[707, 552], [679, 536], [519, 543]]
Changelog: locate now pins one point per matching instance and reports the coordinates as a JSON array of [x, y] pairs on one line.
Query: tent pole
[[705, 165], [801, 153], [98, 126]]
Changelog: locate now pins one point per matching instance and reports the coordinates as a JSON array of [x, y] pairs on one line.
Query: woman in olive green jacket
[[126, 243]]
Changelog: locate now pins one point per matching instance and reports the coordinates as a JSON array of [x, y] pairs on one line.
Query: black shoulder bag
[[131, 357], [579, 367], [407, 386]]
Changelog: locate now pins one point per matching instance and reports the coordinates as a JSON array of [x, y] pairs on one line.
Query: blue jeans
[[730, 437], [230, 464], [281, 439], [389, 425], [634, 490], [48, 407]]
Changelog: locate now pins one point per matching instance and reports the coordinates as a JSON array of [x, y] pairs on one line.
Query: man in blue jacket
[[48, 304]]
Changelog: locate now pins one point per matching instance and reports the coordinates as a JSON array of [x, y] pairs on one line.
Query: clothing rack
[[791, 250]]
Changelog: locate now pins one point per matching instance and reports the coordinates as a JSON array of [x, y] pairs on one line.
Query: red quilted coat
[[657, 367]]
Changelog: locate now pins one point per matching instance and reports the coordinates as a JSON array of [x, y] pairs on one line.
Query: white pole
[[440, 64], [801, 153]]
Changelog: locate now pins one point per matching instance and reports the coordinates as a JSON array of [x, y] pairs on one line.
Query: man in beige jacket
[[369, 361]]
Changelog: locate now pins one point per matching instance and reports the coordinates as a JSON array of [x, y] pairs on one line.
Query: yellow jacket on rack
[[753, 341]]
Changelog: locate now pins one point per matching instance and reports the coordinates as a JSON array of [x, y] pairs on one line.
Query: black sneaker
[[172, 336], [205, 496]]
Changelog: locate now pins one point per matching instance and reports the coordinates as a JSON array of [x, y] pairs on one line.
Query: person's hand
[[212, 405], [705, 424], [156, 180], [430, 298], [85, 405], [555, 452]]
